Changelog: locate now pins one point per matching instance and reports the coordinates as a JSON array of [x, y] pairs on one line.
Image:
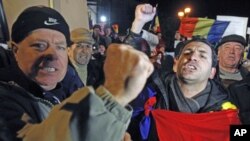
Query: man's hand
[[127, 137], [143, 14], [126, 71]]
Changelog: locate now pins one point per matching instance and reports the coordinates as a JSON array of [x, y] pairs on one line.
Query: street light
[[186, 12], [103, 18], [181, 14]]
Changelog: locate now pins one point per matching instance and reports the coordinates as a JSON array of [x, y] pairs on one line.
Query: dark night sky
[[168, 9], [122, 11], [209, 8]]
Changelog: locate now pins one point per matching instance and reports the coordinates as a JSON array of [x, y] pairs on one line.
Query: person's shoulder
[[71, 80], [5, 86], [217, 84], [6, 57], [241, 85], [244, 72], [169, 76], [9, 91]]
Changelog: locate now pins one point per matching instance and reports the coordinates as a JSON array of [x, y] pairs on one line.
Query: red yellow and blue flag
[[208, 28]]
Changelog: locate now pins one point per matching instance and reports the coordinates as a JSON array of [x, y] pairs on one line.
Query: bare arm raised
[[143, 14]]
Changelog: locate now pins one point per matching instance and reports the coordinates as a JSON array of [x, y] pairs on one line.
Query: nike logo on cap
[[51, 21]]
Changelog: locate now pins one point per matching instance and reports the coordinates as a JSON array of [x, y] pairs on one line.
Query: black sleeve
[[240, 96]]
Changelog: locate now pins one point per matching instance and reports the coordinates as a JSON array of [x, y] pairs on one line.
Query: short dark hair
[[178, 49], [97, 26]]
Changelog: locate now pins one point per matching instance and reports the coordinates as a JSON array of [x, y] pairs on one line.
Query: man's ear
[[70, 49], [212, 73], [175, 64], [242, 58], [218, 53], [14, 47]]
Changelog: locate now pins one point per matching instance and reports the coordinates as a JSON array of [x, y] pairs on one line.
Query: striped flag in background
[[155, 25], [208, 28]]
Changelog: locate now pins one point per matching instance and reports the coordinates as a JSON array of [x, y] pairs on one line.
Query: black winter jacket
[[28, 97], [240, 95]]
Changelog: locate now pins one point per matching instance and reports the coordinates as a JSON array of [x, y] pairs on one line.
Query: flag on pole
[[207, 28]]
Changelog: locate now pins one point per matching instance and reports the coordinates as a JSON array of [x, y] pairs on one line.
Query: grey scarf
[[189, 105]]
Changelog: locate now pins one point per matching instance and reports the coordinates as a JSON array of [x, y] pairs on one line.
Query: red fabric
[[187, 26], [149, 104], [177, 126]]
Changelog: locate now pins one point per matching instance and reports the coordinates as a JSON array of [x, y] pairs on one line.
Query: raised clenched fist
[[126, 71]]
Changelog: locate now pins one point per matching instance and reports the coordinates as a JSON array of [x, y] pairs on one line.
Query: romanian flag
[[177, 126], [208, 28]]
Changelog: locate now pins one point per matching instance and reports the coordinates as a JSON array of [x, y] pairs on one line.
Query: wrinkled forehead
[[199, 46], [233, 44], [83, 43], [46, 35]]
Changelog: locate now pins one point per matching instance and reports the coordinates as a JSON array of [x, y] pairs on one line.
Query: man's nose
[[84, 49], [232, 50], [48, 57], [50, 54], [194, 56]]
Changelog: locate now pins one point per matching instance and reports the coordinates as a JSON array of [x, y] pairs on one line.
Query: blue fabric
[[71, 81], [216, 31], [144, 127], [138, 107], [138, 103]]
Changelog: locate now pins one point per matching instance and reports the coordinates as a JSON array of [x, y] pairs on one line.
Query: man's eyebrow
[[60, 43], [203, 51], [40, 40], [44, 40], [187, 48]]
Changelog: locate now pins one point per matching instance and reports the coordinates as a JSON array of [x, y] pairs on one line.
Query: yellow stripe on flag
[[203, 27]]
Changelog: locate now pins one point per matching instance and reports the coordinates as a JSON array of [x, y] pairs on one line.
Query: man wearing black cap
[[34, 103], [230, 55]]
